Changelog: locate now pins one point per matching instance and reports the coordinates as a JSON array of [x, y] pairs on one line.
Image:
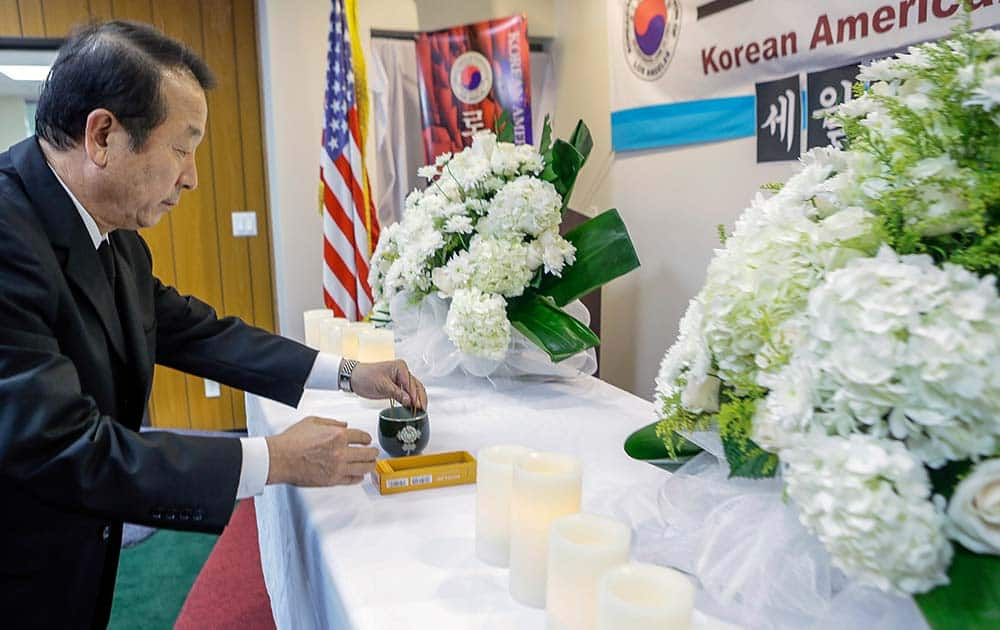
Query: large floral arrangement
[[483, 236], [848, 333]]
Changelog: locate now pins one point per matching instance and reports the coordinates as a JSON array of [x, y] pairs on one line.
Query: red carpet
[[229, 592]]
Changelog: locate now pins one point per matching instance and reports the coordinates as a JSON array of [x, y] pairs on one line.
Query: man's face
[[148, 182]]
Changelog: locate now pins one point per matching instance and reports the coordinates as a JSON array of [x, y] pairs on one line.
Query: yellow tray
[[417, 472]]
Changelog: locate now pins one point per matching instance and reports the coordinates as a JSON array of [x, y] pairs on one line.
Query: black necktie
[[108, 261]]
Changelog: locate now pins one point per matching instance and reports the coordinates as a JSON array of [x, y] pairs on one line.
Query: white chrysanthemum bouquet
[[848, 333], [483, 240]]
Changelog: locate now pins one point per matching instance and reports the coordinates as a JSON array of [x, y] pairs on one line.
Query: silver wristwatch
[[344, 378]]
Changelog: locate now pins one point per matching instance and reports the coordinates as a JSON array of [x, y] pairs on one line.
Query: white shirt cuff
[[325, 372], [256, 465]]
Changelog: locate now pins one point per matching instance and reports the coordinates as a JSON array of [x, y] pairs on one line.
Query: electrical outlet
[[212, 389], [244, 224]]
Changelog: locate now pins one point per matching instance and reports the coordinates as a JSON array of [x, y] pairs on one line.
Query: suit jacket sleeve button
[[198, 515]]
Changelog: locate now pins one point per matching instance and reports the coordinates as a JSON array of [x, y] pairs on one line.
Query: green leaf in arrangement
[[971, 601], [745, 457], [604, 251], [562, 168], [944, 480], [645, 444], [546, 142], [549, 327], [504, 127], [582, 140]]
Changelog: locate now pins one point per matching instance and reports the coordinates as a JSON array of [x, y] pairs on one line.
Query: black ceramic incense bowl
[[401, 432]]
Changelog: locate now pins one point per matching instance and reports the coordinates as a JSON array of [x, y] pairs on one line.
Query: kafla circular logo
[[651, 30], [471, 77]]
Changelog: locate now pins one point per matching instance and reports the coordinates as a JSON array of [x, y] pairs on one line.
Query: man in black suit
[[83, 320]]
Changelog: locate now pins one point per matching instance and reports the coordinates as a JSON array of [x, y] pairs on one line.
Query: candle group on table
[[575, 565]]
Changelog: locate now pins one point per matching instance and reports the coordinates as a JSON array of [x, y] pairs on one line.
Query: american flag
[[350, 225]]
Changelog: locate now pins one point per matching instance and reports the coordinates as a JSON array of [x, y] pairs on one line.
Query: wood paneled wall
[[193, 247]]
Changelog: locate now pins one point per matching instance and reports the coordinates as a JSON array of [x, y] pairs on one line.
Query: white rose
[[974, 509], [702, 396]]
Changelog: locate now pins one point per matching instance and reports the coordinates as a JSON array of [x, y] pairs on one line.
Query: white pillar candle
[[641, 596], [376, 344], [546, 486], [349, 339], [311, 319], [494, 478], [582, 548], [329, 334]]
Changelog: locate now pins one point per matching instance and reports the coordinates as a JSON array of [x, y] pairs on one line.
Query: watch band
[[344, 378]]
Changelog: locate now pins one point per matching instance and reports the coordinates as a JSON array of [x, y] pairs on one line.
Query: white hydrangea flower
[[779, 251], [524, 206], [869, 503], [898, 348], [499, 266], [477, 323]]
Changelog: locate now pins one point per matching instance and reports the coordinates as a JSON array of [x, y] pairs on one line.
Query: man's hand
[[320, 452], [389, 379]]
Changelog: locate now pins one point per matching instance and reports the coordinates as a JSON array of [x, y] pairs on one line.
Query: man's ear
[[97, 135]]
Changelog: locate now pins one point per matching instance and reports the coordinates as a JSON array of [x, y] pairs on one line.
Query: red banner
[[468, 76]]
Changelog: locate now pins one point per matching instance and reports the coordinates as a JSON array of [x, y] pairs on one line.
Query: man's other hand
[[320, 452], [389, 379]]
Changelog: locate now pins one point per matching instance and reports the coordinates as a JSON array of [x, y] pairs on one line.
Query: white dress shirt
[[324, 374]]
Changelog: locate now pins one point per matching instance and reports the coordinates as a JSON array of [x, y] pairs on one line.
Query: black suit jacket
[[76, 366]]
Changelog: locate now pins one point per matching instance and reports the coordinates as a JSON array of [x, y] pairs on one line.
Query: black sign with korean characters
[[779, 120], [825, 90]]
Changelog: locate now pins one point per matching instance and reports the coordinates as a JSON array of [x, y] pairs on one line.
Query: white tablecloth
[[349, 557]]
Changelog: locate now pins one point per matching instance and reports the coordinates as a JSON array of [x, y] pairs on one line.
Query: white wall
[[293, 66], [12, 126], [580, 55]]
